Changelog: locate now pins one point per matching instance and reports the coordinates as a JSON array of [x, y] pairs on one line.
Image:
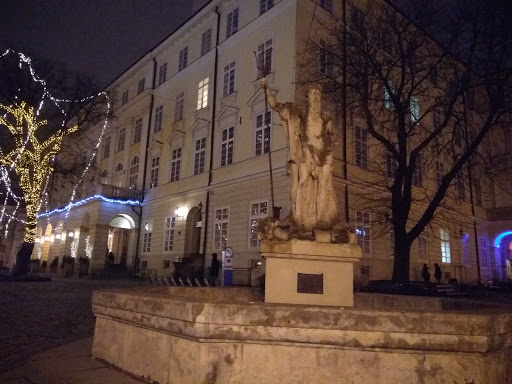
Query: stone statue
[[310, 135]]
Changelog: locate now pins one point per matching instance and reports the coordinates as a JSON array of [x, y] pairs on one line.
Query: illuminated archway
[[501, 236]]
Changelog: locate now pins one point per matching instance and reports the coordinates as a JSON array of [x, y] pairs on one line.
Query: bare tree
[[429, 91]]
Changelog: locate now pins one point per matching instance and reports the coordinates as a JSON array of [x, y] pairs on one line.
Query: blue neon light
[[87, 200], [500, 237]]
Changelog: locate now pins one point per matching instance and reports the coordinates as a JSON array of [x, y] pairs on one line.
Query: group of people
[[425, 274]]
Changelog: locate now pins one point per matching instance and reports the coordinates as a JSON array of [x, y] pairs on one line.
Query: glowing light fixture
[[181, 211], [71, 234]]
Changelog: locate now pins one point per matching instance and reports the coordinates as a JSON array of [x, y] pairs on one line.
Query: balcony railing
[[502, 213]]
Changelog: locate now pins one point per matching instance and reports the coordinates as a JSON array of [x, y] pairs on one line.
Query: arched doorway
[[120, 235], [502, 255], [193, 233]]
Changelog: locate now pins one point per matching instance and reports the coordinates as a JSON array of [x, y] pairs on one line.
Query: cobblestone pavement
[[35, 316]]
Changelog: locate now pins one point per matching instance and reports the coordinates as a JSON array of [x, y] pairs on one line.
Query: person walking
[[214, 270], [425, 274], [437, 273]]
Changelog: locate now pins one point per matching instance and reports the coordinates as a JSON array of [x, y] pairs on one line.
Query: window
[[183, 61], [437, 117], [461, 188], [170, 223], [417, 176], [439, 173], [125, 98], [220, 235], [148, 231], [104, 175], [229, 79], [466, 250], [445, 246], [158, 119], [422, 247], [388, 98], [484, 251], [162, 74], [120, 140], [206, 42], [478, 192], [134, 173], [361, 147], [155, 165], [227, 143], [326, 4], [433, 76], [202, 94], [232, 25], [357, 18], [175, 164], [391, 166], [137, 131], [119, 167], [259, 210], [141, 86], [263, 133], [363, 231], [199, 156], [180, 104], [106, 147], [325, 60], [264, 56], [265, 5], [414, 107]]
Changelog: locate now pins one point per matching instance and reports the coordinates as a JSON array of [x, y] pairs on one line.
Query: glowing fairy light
[[88, 247], [74, 248]]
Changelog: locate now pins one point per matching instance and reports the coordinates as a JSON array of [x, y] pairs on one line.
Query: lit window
[[155, 165], [141, 86], [159, 111], [414, 109], [202, 94], [232, 24], [361, 147], [180, 105], [134, 173], [120, 141], [388, 98], [148, 232], [162, 74], [466, 250], [445, 246], [199, 156], [170, 223], [363, 231], [221, 224], [206, 42], [265, 5], [137, 131], [264, 56], [263, 133], [417, 176], [106, 147], [484, 251], [227, 144], [183, 61], [229, 79], [259, 210], [175, 164], [325, 60]]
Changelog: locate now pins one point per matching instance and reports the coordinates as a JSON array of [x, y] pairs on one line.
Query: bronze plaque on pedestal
[[310, 283]]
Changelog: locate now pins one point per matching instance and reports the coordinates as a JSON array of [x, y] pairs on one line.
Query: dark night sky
[[98, 37]]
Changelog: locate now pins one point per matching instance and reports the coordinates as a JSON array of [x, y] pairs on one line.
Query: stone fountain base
[[308, 272], [229, 335]]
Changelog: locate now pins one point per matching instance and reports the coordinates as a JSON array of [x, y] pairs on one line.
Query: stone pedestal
[[307, 272]]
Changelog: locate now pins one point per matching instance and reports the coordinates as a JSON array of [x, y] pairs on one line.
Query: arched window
[[134, 173], [119, 167], [104, 174]]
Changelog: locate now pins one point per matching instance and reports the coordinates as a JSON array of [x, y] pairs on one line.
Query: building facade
[[183, 170]]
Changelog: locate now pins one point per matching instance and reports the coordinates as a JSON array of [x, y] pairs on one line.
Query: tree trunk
[[23, 259], [401, 261]]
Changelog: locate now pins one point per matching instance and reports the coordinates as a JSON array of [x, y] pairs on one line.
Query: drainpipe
[[210, 168], [145, 164], [344, 107]]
